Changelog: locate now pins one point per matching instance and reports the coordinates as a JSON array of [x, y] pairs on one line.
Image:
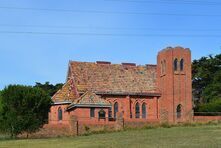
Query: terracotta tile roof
[[113, 78], [90, 99], [66, 93]]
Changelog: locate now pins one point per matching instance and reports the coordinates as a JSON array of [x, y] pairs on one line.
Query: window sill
[[179, 73]]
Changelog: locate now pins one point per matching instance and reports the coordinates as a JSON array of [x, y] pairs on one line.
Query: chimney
[[151, 66], [103, 62], [128, 64]]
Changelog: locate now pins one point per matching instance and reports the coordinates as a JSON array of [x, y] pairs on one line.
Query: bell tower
[[175, 83]]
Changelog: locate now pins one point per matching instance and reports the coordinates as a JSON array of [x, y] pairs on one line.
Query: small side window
[[161, 67], [179, 111], [115, 109], [59, 114], [101, 114], [92, 112], [110, 112], [175, 65], [137, 110], [164, 66], [144, 111], [181, 65]]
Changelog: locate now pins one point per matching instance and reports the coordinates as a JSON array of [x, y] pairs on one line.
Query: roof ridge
[[129, 64]]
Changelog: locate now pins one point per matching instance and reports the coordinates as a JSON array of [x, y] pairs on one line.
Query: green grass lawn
[[206, 136]]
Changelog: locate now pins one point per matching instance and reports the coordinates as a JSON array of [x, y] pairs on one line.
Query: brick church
[[99, 92]]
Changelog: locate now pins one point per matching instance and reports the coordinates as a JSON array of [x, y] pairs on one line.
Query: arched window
[[179, 111], [175, 64], [137, 110], [144, 110], [92, 112], [59, 114], [110, 112], [164, 66], [181, 65], [101, 114], [115, 109]]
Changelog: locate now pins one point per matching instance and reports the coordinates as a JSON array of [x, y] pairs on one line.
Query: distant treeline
[[50, 89]]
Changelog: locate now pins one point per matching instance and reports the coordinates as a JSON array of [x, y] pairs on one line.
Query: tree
[[49, 88], [213, 90], [0, 107], [24, 109], [0, 100], [206, 74]]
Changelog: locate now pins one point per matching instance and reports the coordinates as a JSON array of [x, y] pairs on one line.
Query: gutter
[[61, 103], [88, 105], [128, 94]]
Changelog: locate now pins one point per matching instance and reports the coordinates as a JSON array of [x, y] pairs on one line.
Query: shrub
[[166, 125], [86, 128], [210, 109]]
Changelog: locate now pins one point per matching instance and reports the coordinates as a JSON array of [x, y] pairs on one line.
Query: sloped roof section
[[90, 99], [113, 78], [66, 93]]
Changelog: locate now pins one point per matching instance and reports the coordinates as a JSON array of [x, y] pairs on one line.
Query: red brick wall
[[83, 116], [176, 87], [206, 118], [127, 105], [53, 115]]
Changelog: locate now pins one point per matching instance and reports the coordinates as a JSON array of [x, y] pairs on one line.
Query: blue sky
[[29, 58]]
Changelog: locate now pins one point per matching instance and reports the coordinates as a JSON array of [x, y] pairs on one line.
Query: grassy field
[[206, 136]]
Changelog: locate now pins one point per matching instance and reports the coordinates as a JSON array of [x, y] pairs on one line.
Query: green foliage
[[166, 125], [213, 89], [0, 101], [1, 107], [206, 74], [49, 88], [214, 106], [24, 109]]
